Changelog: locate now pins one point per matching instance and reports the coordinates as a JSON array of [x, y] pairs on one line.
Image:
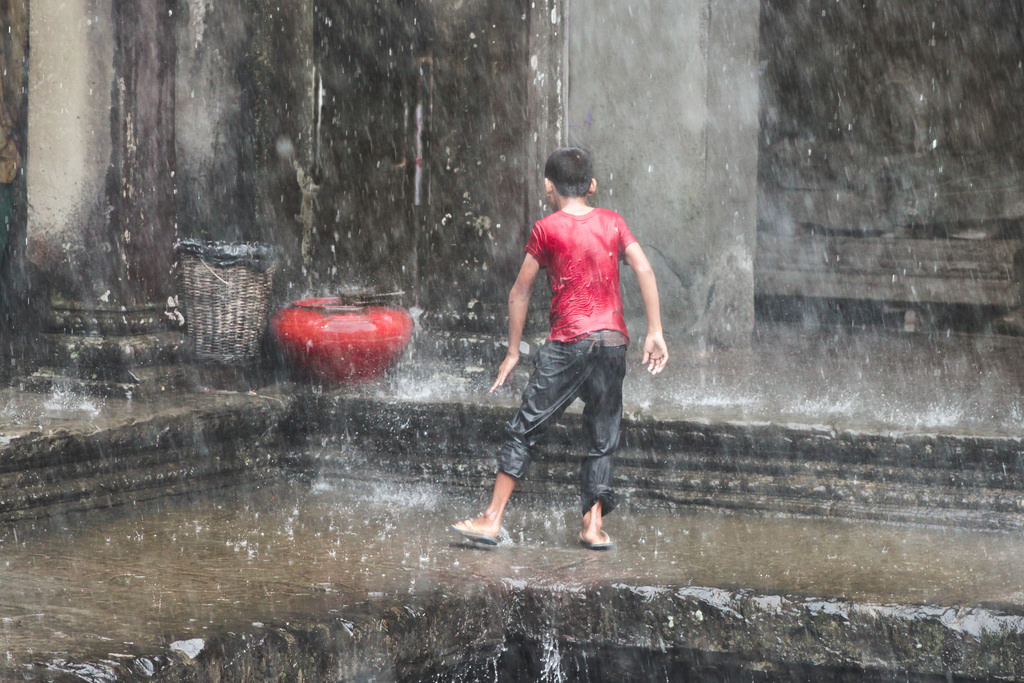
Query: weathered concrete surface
[[870, 425], [622, 632], [665, 94], [915, 429], [767, 468]]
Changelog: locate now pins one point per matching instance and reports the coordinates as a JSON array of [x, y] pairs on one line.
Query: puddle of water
[[140, 580]]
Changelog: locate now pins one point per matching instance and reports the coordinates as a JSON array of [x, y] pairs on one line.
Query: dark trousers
[[592, 370]]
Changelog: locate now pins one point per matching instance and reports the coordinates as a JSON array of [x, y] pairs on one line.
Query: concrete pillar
[[99, 163], [100, 225], [545, 95], [143, 134], [664, 93], [71, 76]]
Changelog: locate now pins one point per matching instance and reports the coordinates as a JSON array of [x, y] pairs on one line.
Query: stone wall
[[378, 145], [100, 154], [421, 152], [397, 146], [381, 145], [297, 124], [665, 95], [892, 117], [612, 631]]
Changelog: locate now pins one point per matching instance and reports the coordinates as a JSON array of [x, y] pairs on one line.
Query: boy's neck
[[576, 206]]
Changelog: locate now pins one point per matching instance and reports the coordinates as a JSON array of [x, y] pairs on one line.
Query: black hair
[[571, 171]]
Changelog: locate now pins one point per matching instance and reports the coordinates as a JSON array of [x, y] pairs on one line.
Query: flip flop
[[604, 544], [466, 529]]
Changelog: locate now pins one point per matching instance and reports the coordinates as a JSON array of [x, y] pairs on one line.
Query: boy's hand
[[505, 369], [655, 353]]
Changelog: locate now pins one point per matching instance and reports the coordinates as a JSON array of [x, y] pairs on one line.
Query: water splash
[[551, 660], [64, 401]]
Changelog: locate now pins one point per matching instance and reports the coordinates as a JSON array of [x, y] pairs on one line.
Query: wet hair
[[571, 171]]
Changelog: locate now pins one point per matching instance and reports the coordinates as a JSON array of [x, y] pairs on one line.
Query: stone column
[[143, 217], [100, 159], [545, 95], [665, 95], [733, 103], [100, 155]]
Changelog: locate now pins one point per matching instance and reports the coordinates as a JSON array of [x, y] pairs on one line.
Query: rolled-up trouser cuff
[[596, 483], [606, 498], [514, 458]]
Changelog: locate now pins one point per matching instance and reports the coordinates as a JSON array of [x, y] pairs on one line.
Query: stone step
[[169, 447], [943, 479], [127, 383]]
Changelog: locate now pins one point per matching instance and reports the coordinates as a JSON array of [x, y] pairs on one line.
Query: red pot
[[327, 339]]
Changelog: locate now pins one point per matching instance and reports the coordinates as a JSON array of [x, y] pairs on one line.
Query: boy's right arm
[[655, 348], [518, 303]]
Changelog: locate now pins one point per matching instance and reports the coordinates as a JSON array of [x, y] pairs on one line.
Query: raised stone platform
[[291, 530]]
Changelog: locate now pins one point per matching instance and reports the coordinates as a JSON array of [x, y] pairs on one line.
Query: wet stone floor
[[145, 580]]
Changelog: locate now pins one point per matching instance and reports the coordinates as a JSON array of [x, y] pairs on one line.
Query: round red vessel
[[331, 340]]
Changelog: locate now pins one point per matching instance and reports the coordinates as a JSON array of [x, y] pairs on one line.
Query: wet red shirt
[[581, 255]]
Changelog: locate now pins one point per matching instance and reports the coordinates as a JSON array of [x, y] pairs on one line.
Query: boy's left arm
[[655, 348]]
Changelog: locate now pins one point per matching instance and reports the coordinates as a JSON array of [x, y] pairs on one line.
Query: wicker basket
[[226, 307]]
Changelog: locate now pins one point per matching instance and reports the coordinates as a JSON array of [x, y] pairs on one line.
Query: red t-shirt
[[582, 254]]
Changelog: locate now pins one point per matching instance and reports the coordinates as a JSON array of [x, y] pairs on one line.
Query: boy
[[585, 353]]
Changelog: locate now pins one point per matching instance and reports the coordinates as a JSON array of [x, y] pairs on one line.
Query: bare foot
[[592, 536]]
